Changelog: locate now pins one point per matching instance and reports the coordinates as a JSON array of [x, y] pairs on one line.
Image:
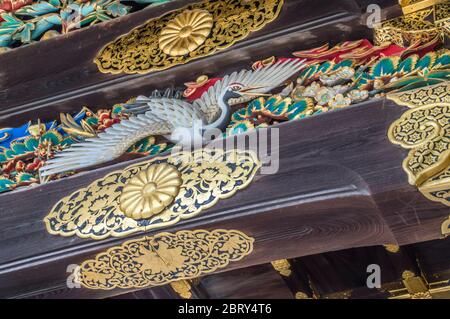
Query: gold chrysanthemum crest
[[137, 199], [164, 258], [186, 32], [150, 191]]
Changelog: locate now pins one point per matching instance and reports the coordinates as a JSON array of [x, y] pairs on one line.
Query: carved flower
[[311, 90], [163, 259], [186, 32], [358, 95], [339, 101], [232, 244], [324, 95], [150, 191]]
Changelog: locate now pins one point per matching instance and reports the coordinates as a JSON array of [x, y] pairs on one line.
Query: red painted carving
[[12, 5]]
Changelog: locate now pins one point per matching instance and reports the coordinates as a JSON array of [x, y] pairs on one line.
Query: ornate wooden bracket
[[282, 266], [445, 228], [153, 194], [416, 287], [178, 37], [164, 258], [425, 131]]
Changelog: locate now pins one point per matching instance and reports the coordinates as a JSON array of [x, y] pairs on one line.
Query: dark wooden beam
[[63, 77], [340, 185], [253, 282]]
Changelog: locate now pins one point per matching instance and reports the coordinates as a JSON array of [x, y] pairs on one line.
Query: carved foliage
[[164, 258]]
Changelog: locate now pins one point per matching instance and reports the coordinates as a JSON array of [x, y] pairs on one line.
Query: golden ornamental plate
[[207, 176]]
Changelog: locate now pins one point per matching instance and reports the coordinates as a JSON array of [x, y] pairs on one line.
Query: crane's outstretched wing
[[269, 77], [161, 117]]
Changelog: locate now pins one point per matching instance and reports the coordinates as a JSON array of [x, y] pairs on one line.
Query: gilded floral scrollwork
[[140, 51], [207, 175], [422, 25], [164, 258], [425, 130]]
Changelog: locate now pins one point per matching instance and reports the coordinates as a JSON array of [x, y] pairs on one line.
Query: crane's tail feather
[[108, 146]]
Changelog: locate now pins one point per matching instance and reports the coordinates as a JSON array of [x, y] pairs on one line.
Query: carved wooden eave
[[340, 183], [66, 84], [331, 202]]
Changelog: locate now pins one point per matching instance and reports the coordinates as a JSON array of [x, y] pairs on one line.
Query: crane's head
[[237, 90]]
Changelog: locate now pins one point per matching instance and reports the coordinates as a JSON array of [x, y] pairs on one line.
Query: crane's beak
[[248, 91]]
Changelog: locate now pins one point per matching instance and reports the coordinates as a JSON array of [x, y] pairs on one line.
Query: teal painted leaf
[[117, 109], [116, 9], [31, 143], [54, 137], [410, 82], [25, 177], [156, 149], [9, 27], [67, 141], [94, 17], [5, 40], [239, 128], [427, 61], [444, 74], [325, 67], [271, 101], [55, 3], [103, 17], [90, 19], [419, 84], [24, 33], [92, 121], [408, 64], [343, 63], [9, 154], [240, 115], [19, 148], [10, 20], [364, 82], [37, 9], [45, 24], [298, 109], [256, 105], [443, 61], [278, 108], [6, 184], [385, 66], [309, 71], [88, 8]]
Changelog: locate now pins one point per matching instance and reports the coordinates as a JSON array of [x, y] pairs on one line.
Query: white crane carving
[[161, 116]]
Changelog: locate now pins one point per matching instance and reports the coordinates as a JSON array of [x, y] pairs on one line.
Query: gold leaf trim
[[445, 228], [164, 258], [139, 51], [207, 176], [425, 130], [182, 288], [392, 248], [422, 25], [410, 6], [282, 266]]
